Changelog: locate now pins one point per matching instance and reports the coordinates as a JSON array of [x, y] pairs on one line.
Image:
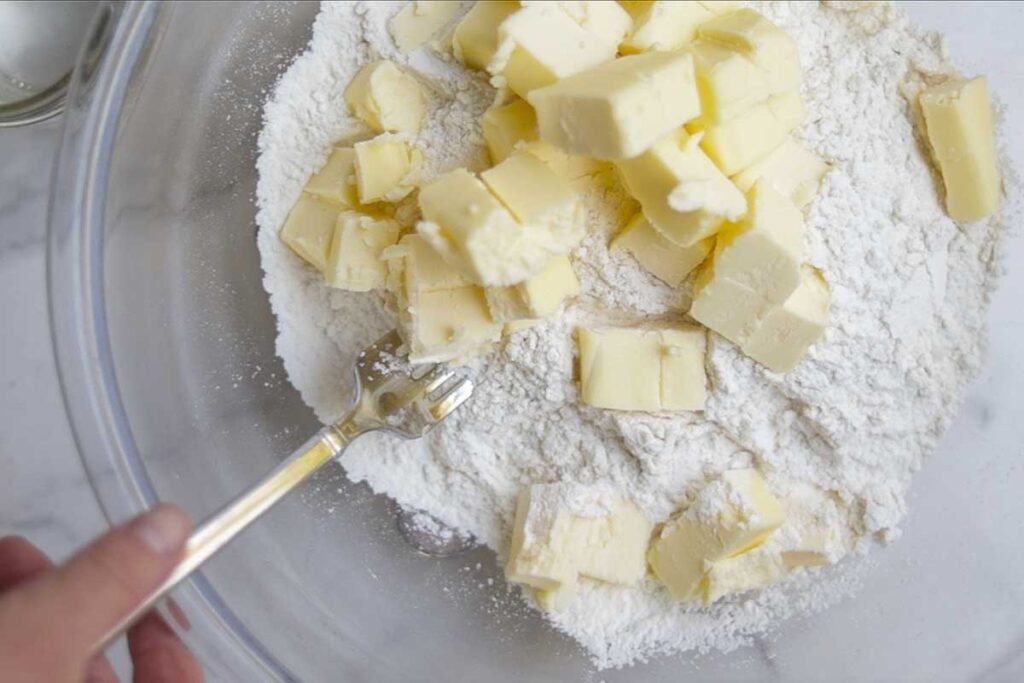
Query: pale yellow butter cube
[[536, 297], [756, 265], [663, 258], [682, 193], [543, 42], [335, 181], [309, 229], [424, 269], [450, 324], [683, 379], [579, 171], [663, 24], [642, 369], [538, 197], [387, 98], [792, 169], [731, 515], [958, 117], [752, 570], [613, 547], [387, 168], [544, 546], [354, 261], [764, 43], [727, 81], [619, 109], [814, 532], [782, 338], [749, 137], [475, 38], [506, 125], [557, 599], [419, 21], [475, 232]]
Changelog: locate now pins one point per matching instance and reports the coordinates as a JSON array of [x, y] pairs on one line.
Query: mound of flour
[[856, 418]]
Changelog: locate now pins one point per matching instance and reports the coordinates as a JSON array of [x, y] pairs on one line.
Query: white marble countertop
[[44, 493]]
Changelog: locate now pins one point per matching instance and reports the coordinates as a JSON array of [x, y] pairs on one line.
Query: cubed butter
[[727, 81], [792, 169], [475, 232], [749, 137], [335, 181], [506, 125], [958, 117], [538, 197], [544, 548], [475, 38], [785, 333], [731, 515], [752, 570], [682, 193], [423, 268], [660, 256], [309, 229], [450, 324], [814, 530], [579, 171], [555, 541], [536, 297], [764, 43], [756, 266], [614, 546], [387, 98], [643, 369], [354, 261], [663, 24], [419, 21], [619, 109], [545, 42], [387, 168]]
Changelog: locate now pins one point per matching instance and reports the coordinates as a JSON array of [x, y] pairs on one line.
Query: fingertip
[[159, 655], [163, 530]]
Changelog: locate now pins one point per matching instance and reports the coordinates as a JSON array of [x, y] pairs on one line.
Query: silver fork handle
[[216, 531]]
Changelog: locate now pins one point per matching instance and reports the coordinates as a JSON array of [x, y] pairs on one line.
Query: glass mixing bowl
[[165, 343]]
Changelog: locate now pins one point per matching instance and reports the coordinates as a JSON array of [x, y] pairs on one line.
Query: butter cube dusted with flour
[[444, 316], [749, 137], [387, 168], [728, 82], [536, 297], [663, 24], [643, 369], [336, 181], [387, 98], [562, 531], [751, 570], [792, 169], [765, 44], [505, 125], [682, 193], [474, 231], [475, 38], [619, 109], [544, 42], [660, 256], [538, 198], [354, 262], [419, 21], [731, 515], [309, 229], [783, 335], [958, 117], [756, 265]]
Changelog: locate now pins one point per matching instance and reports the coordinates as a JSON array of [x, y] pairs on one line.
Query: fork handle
[[216, 531]]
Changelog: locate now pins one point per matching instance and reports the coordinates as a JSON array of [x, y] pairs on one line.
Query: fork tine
[[435, 379], [454, 397]]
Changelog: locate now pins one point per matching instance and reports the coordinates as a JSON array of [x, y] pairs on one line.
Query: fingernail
[[163, 529]]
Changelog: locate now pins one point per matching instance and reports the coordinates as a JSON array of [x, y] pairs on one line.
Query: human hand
[[52, 618]]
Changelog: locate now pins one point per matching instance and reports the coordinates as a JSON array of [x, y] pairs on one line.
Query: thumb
[[71, 608]]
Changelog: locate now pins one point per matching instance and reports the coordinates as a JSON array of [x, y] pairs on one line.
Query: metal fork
[[391, 395]]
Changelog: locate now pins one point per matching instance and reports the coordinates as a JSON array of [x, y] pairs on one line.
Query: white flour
[[910, 291]]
